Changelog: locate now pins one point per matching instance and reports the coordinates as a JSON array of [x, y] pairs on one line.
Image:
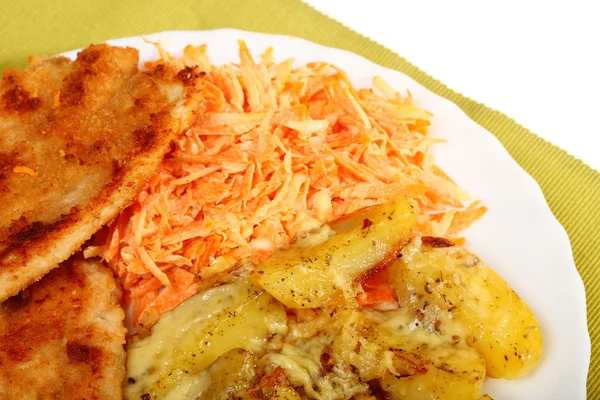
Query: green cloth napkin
[[572, 189]]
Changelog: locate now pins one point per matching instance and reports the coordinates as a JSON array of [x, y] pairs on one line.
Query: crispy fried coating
[[63, 337], [77, 142]]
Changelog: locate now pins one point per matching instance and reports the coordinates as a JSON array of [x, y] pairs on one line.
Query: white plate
[[519, 237]]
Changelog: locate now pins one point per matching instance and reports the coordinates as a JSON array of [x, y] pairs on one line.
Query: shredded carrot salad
[[276, 150]]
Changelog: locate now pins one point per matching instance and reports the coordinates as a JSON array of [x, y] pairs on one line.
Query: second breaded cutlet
[[63, 337]]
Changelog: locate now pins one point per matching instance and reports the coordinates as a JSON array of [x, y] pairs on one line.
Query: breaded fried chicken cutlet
[[63, 337], [78, 139]]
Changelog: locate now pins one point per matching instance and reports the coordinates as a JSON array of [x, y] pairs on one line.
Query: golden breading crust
[[63, 337], [89, 133]]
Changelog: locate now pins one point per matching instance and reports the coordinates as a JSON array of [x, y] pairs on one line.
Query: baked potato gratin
[[293, 327]]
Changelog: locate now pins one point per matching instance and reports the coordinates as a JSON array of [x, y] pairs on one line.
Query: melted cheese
[[419, 351], [318, 235], [187, 340], [301, 361]]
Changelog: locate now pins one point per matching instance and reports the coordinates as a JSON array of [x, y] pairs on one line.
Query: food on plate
[[63, 336], [445, 282], [297, 241], [322, 274], [407, 362], [230, 376], [78, 140], [439, 337], [183, 343], [276, 151]]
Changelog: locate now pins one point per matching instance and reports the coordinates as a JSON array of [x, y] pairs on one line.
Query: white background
[[536, 61]]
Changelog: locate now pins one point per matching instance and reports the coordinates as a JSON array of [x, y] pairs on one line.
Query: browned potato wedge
[[310, 277], [471, 301], [275, 385], [187, 340], [286, 393], [231, 376], [459, 376], [411, 363]]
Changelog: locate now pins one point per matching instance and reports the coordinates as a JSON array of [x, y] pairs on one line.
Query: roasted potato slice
[[409, 362], [447, 283], [275, 385], [188, 339], [231, 376], [286, 393], [436, 383], [310, 277]]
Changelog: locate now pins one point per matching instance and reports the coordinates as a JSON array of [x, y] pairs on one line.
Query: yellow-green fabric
[[572, 189]]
